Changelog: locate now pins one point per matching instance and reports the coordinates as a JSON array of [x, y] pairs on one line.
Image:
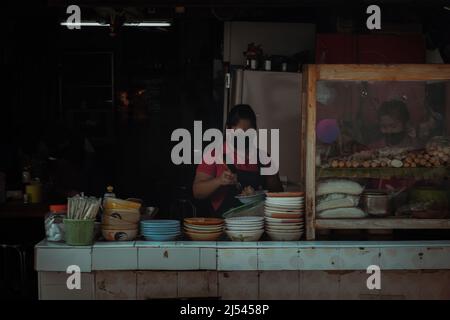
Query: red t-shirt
[[215, 170]]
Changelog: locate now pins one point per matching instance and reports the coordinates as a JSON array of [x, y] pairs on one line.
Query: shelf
[[90, 110], [78, 85], [383, 223], [384, 173]]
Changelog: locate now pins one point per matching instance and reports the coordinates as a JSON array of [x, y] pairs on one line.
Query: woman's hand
[[205, 185], [227, 178]]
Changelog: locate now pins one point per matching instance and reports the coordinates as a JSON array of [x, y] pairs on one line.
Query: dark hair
[[396, 109], [241, 112]]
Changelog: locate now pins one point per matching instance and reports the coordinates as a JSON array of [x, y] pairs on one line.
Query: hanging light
[[126, 24]]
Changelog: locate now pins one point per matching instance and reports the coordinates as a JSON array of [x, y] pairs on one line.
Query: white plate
[[244, 219], [284, 202], [275, 210], [284, 231], [295, 207], [285, 226], [286, 199], [245, 229], [278, 220], [266, 212], [280, 236], [245, 223]]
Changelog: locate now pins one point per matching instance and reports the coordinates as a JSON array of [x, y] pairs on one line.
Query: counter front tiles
[[244, 256], [115, 255], [51, 256], [169, 258]]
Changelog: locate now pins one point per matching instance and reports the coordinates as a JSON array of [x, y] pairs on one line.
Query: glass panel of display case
[[382, 149]]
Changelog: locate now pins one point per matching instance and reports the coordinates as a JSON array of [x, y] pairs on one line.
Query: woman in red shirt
[[217, 182]]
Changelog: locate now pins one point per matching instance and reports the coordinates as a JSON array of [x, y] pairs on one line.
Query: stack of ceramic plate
[[284, 215], [203, 229], [160, 230], [244, 228]]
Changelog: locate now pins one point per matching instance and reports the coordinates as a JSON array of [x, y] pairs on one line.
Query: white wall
[[275, 38]]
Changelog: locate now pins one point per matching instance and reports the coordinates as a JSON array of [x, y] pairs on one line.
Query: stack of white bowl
[[244, 228], [284, 215]]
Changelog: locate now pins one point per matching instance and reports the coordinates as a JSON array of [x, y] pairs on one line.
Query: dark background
[[42, 61], [44, 64]]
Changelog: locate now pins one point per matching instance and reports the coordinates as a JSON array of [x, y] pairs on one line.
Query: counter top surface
[[257, 244]]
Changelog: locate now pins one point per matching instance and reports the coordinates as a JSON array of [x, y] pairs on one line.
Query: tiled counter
[[239, 270]]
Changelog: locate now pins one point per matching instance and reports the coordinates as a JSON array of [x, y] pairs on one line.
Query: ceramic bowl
[[195, 236], [119, 235], [114, 220], [126, 226], [204, 221], [285, 236], [283, 221], [114, 203], [288, 227], [129, 215], [245, 228], [244, 235]]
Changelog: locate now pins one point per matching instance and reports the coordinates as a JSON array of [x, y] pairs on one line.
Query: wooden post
[[310, 78]]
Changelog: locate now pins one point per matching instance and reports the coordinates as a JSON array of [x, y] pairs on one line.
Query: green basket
[[79, 232]]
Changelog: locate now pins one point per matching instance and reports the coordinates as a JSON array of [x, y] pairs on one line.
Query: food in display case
[[386, 138], [385, 127], [339, 198]]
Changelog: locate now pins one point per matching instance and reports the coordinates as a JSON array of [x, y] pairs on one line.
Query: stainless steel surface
[[376, 204]]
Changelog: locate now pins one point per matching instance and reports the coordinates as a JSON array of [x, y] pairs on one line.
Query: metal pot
[[376, 203]]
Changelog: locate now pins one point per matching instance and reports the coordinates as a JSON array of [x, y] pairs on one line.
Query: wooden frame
[[355, 72]]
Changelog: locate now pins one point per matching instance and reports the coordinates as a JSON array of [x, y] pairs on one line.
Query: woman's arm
[[273, 183], [205, 185]]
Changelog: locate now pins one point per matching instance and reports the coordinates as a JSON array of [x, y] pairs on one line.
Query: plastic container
[[250, 209], [79, 232], [54, 226]]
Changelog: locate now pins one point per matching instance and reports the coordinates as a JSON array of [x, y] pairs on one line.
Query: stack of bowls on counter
[[203, 229], [284, 215], [120, 221], [244, 228], [160, 230]]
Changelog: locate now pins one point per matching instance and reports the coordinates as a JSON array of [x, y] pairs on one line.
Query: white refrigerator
[[276, 99]]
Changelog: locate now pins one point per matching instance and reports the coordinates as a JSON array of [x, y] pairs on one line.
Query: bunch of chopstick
[[82, 208]]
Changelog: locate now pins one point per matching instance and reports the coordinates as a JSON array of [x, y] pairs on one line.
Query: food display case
[[376, 147]]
